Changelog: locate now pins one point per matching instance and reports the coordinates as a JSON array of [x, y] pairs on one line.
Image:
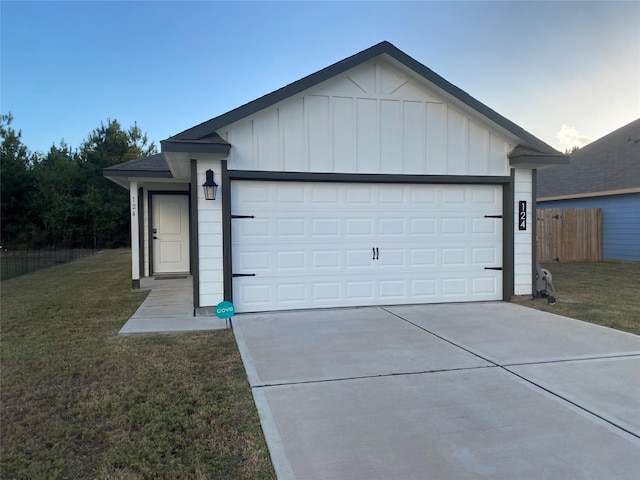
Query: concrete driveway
[[483, 390]]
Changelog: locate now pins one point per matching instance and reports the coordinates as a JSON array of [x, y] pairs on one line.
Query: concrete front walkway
[[460, 391], [168, 309]]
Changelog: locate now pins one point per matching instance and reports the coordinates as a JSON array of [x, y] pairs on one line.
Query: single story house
[[604, 174], [373, 181]]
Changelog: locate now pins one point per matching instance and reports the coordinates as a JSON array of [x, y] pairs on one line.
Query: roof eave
[[186, 146], [538, 161], [123, 177], [136, 173]]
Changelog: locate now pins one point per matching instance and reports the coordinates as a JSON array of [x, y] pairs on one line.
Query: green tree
[[107, 204], [62, 199], [61, 183], [16, 185]]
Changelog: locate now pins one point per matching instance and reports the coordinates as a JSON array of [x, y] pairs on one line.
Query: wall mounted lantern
[[210, 186]]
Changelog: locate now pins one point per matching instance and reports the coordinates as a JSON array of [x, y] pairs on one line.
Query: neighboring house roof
[[610, 165], [190, 139]]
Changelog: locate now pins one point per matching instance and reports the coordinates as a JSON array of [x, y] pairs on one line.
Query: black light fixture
[[210, 186]]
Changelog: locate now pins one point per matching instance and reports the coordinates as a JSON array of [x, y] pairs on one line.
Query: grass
[[605, 293], [80, 402]]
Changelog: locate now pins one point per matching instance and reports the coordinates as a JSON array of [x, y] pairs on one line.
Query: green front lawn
[[80, 402], [606, 293]]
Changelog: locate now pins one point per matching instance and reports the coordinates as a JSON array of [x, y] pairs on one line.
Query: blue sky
[[67, 66]]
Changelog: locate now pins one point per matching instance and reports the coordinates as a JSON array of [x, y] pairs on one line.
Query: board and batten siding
[[211, 287], [522, 241], [372, 119]]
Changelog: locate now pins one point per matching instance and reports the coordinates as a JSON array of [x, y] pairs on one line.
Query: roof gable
[[382, 49]]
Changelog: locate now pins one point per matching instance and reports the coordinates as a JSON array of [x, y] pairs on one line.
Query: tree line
[[60, 198]]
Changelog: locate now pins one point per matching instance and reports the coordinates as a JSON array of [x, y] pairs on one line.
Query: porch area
[[168, 309]]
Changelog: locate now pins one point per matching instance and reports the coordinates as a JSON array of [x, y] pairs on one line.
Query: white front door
[[170, 233], [315, 245]]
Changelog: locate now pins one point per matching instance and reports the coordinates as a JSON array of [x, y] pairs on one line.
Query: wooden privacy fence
[[569, 234]]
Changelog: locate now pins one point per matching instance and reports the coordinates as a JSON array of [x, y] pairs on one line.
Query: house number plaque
[[522, 215]]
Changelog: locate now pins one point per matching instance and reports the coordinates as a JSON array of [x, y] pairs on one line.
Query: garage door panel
[[326, 291], [484, 286], [423, 257], [485, 226], [359, 194], [360, 291], [393, 290], [422, 196], [316, 245], [391, 228], [326, 259], [358, 258], [422, 289], [358, 227], [487, 256], [423, 227], [391, 258], [253, 261], [328, 228]]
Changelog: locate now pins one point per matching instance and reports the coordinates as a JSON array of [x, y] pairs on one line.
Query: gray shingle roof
[[610, 163], [151, 166]]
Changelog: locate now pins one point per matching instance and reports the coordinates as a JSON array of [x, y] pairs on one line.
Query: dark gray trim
[[365, 178], [150, 194], [170, 145], [137, 174], [508, 200], [534, 230], [141, 231], [150, 230], [383, 48], [227, 265], [194, 252], [538, 161], [508, 260]]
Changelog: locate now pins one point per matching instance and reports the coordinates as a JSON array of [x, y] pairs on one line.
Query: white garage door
[[316, 245]]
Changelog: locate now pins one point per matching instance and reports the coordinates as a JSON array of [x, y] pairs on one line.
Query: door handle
[[377, 254]]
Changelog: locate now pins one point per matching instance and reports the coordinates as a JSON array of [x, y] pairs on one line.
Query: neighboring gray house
[[604, 174], [373, 181]]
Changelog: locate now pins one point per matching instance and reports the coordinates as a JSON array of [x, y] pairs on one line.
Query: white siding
[[371, 119], [210, 237], [522, 238]]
